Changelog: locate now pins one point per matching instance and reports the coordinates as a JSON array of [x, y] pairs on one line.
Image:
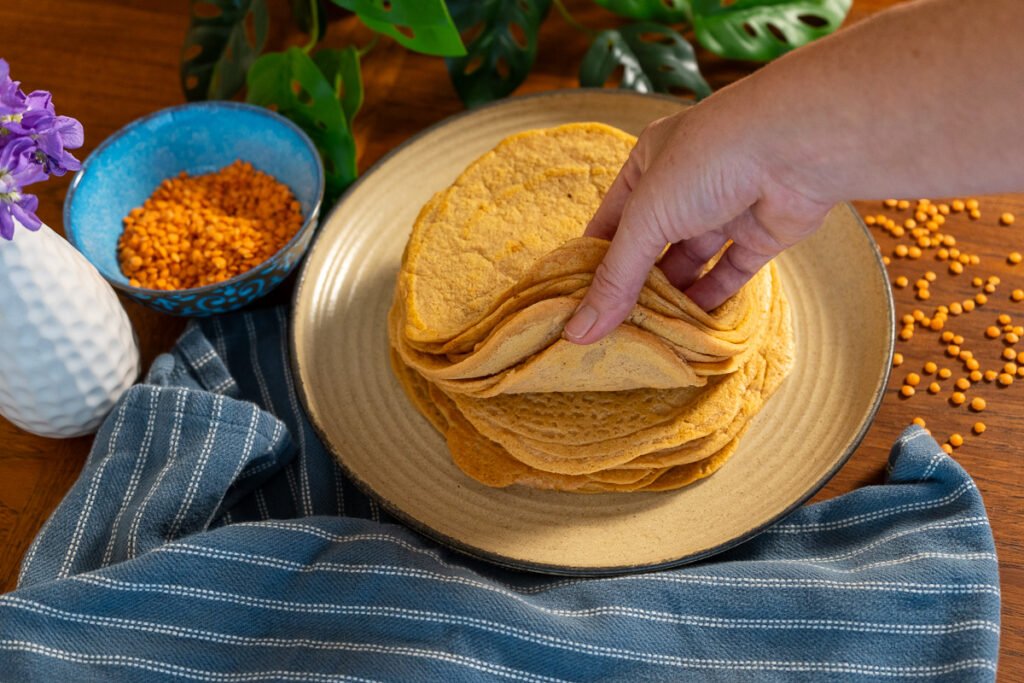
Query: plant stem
[[314, 34], [363, 51], [569, 19]]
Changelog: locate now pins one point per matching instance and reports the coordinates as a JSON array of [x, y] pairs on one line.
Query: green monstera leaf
[[653, 57], [223, 40], [293, 85], [341, 69], [666, 11], [761, 30], [420, 25], [501, 46]]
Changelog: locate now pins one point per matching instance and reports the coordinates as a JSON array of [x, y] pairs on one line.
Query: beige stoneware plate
[[843, 319]]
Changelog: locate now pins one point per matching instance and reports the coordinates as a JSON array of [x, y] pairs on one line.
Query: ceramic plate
[[843, 318]]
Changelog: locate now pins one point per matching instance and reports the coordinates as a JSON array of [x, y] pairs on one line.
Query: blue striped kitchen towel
[[210, 537]]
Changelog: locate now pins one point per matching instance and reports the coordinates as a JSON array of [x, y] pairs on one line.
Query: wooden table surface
[[108, 62]]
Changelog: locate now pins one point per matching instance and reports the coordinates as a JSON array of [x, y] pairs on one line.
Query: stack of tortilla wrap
[[495, 266]]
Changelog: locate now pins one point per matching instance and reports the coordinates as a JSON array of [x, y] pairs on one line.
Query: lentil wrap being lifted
[[494, 267]]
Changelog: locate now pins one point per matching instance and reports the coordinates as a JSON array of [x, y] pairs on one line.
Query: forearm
[[926, 99]]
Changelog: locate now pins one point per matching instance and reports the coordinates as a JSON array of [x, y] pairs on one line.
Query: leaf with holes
[[290, 83], [306, 20], [223, 40], [666, 11], [420, 25], [501, 44], [761, 30], [653, 57], [341, 69]]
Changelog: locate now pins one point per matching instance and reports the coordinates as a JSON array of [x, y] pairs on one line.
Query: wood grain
[[108, 62]]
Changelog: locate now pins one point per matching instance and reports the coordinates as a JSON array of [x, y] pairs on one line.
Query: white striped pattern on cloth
[[211, 537]]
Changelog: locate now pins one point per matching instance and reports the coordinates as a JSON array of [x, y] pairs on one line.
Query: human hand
[[695, 181]]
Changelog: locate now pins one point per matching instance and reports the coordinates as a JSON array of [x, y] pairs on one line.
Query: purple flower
[[12, 100], [18, 168], [34, 144], [62, 134], [53, 134]]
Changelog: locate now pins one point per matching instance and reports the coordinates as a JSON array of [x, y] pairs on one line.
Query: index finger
[[617, 281]]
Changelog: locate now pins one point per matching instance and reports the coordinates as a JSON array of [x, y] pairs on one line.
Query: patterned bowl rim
[[146, 293]]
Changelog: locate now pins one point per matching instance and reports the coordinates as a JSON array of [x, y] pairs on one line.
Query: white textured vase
[[67, 350]]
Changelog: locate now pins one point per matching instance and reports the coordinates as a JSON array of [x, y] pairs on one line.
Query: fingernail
[[580, 323]]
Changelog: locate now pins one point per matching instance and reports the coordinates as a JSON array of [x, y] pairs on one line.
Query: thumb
[[618, 279]]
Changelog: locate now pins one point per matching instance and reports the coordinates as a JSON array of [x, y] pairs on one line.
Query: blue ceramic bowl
[[196, 138]]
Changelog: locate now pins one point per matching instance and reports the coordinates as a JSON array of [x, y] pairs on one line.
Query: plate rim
[[540, 567]]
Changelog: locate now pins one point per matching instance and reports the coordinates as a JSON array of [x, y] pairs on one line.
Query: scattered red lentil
[[921, 230], [1007, 218]]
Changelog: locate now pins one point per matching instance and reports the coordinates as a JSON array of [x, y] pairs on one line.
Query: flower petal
[[6, 222], [40, 100], [24, 210], [71, 132]]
